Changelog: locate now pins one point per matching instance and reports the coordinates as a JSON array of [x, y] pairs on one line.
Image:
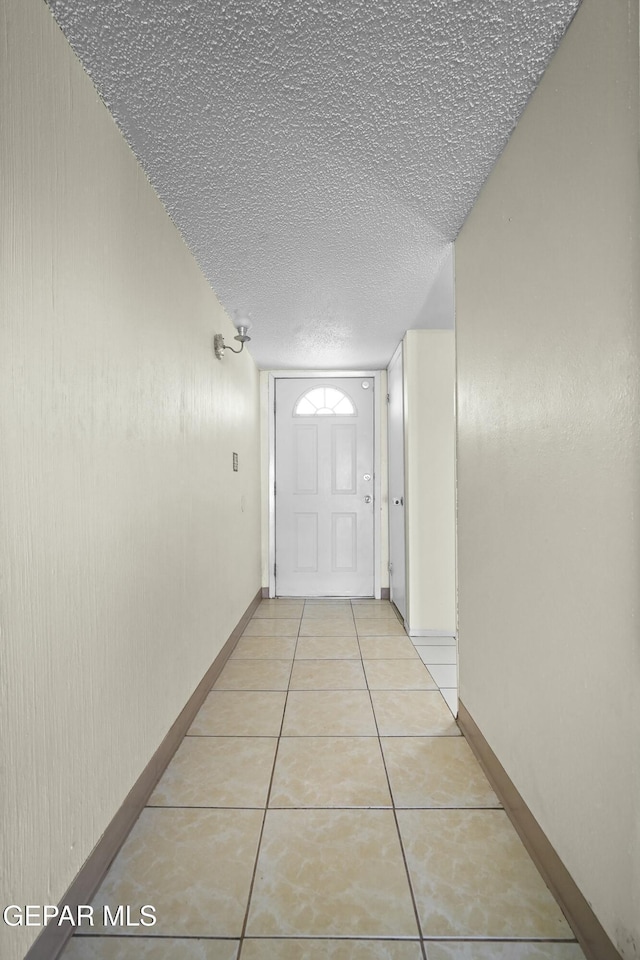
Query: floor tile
[[451, 698], [380, 628], [327, 627], [264, 648], [266, 627], [330, 873], [444, 674], [149, 948], [435, 772], [329, 648], [254, 675], [240, 713], [503, 951], [327, 675], [472, 877], [443, 654], [413, 713], [294, 949], [331, 867], [279, 609], [329, 772], [374, 611], [357, 601], [327, 608], [387, 648], [398, 675], [217, 772], [329, 713], [194, 866]]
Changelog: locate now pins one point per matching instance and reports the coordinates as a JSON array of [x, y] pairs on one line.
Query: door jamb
[[374, 375]]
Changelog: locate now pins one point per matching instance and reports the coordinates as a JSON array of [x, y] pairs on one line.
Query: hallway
[[324, 805]]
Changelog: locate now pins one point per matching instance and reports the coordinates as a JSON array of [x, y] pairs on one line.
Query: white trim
[[444, 632], [399, 352], [377, 484], [319, 374], [374, 375], [271, 481]]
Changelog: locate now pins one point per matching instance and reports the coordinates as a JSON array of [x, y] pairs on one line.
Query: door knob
[[367, 499]]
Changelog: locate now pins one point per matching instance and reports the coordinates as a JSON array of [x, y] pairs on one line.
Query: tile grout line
[[393, 810], [243, 930], [421, 938]]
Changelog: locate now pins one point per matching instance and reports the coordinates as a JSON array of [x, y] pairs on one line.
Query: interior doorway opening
[[325, 497]]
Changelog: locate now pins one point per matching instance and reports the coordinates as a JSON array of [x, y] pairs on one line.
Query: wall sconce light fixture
[[219, 346]]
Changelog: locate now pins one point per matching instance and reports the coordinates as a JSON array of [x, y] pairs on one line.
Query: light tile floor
[[440, 656], [324, 805]]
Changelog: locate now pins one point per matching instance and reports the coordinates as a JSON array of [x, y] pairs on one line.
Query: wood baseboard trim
[[53, 939], [588, 930], [385, 593]]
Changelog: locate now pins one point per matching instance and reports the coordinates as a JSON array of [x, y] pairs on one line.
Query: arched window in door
[[324, 402]]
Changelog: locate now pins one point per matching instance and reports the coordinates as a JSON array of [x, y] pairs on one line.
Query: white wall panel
[[430, 506], [129, 547], [548, 307]]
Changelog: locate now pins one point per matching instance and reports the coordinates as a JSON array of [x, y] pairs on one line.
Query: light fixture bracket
[[219, 346]]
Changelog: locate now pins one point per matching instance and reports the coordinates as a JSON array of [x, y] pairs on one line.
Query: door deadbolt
[[398, 501], [367, 476], [367, 499]]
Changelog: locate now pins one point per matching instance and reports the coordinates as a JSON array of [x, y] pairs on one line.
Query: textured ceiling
[[318, 157]]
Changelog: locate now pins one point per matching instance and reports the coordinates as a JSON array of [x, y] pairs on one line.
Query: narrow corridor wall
[[430, 483], [547, 311], [129, 547]]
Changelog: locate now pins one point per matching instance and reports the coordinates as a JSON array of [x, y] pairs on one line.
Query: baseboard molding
[[53, 939], [588, 930], [444, 632], [385, 593]]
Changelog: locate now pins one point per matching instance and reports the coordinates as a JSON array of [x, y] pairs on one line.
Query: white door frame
[[374, 375], [399, 353]]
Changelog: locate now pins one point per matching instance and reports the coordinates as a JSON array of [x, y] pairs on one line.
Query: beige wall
[[429, 396], [129, 547], [547, 295]]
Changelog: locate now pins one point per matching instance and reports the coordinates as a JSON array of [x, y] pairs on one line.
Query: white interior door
[[324, 500], [397, 556]]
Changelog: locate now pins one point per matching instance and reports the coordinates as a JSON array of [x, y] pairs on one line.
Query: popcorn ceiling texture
[[318, 157]]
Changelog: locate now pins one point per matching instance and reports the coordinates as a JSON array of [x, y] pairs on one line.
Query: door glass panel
[[324, 402]]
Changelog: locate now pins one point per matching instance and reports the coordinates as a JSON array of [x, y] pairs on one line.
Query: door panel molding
[[344, 541], [306, 534], [340, 431], [305, 441]]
